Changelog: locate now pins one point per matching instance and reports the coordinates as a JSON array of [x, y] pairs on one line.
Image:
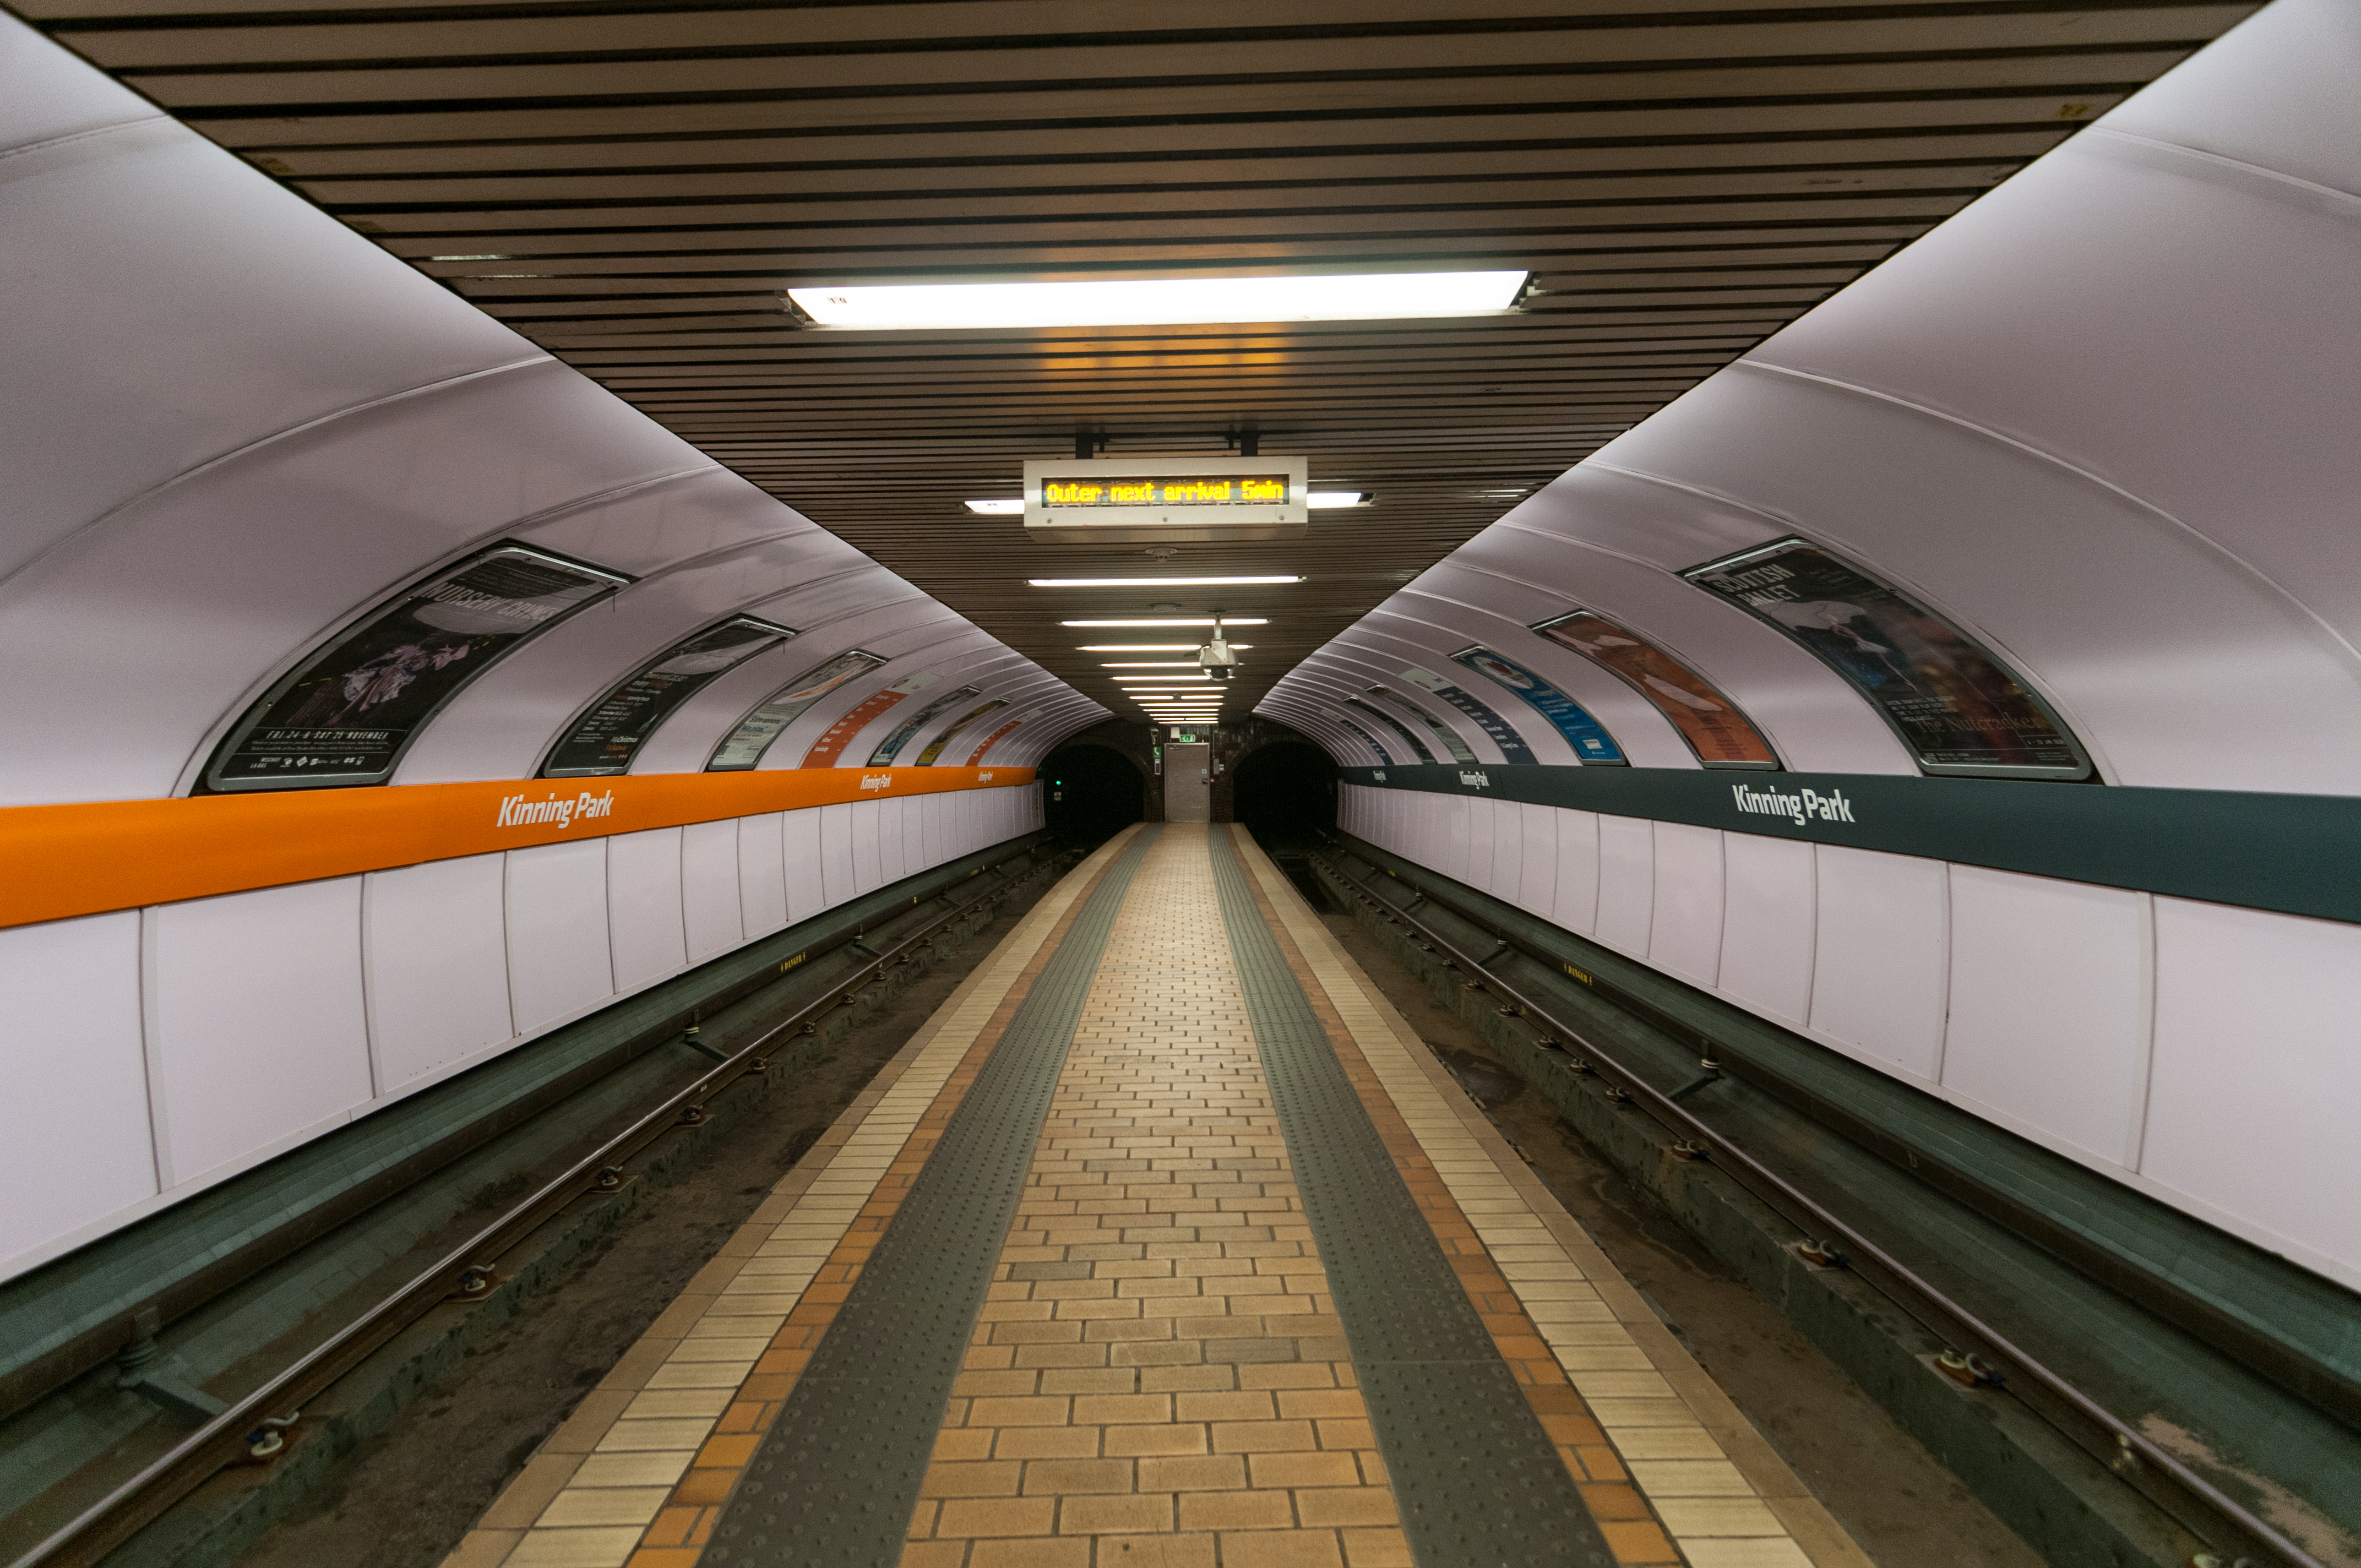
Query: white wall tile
[[836, 853], [256, 1032], [1453, 811], [2049, 1025], [1476, 868], [71, 1050], [559, 962], [643, 912], [868, 859], [1626, 883], [1766, 931], [800, 834], [2257, 1071], [711, 910], [1881, 956], [1577, 901], [435, 936], [1508, 851], [1537, 883], [1685, 931], [762, 875], [893, 844], [934, 824]]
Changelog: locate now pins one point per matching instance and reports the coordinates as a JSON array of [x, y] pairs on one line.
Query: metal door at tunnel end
[[1189, 783]]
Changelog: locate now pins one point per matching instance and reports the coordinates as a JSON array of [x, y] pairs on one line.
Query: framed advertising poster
[[609, 733], [989, 741], [1503, 733], [1591, 742], [1958, 709], [850, 724], [345, 715], [1451, 739], [1367, 739], [1418, 747], [743, 747], [891, 747], [934, 747], [1720, 735]]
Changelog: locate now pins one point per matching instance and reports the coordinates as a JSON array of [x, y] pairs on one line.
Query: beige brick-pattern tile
[[1159, 1357]]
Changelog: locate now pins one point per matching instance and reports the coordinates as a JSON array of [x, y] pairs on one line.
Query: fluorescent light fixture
[[1200, 620], [1326, 500], [1160, 582], [1154, 301], [1010, 509], [1148, 648], [1150, 663]]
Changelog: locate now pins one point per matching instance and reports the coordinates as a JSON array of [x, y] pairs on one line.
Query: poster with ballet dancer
[[1958, 709], [344, 715]]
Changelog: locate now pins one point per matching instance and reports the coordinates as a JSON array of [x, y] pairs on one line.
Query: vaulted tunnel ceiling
[[632, 186]]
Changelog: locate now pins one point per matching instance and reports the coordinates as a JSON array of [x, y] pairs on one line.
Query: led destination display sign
[[1159, 490], [1176, 498]]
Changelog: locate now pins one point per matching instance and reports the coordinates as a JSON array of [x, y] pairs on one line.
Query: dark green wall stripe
[[2297, 853], [1478, 1478], [836, 1477]]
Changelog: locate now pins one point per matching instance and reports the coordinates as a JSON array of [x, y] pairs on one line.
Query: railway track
[[587, 1140], [1679, 1095]]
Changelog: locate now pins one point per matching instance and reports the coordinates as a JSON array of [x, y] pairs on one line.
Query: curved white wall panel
[[257, 1037], [762, 875], [1769, 908], [1881, 963], [645, 917], [227, 443], [74, 997], [2047, 1026], [712, 908], [561, 961], [2256, 1137], [438, 990], [2099, 420]]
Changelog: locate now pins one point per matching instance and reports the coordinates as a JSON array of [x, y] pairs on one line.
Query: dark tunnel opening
[[1285, 793], [1091, 794]]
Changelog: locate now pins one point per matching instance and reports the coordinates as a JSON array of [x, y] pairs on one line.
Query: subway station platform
[[1166, 1244]]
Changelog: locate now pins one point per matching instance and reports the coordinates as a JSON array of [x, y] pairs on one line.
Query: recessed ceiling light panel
[[1159, 302], [1160, 582]]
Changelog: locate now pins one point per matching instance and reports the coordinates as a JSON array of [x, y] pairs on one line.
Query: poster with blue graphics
[[1504, 734], [1394, 726], [1585, 734], [1367, 739]]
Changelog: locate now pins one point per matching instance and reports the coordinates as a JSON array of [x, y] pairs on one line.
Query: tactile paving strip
[[1477, 1477], [836, 1477]]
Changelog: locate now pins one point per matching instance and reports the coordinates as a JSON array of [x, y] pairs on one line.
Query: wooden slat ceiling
[[632, 185]]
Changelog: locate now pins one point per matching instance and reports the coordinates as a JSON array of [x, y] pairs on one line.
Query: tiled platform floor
[[1159, 1379]]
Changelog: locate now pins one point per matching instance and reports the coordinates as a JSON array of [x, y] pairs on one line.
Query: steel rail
[[1665, 1108], [140, 1498]]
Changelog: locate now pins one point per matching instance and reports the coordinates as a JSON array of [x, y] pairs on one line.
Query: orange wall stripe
[[62, 861]]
